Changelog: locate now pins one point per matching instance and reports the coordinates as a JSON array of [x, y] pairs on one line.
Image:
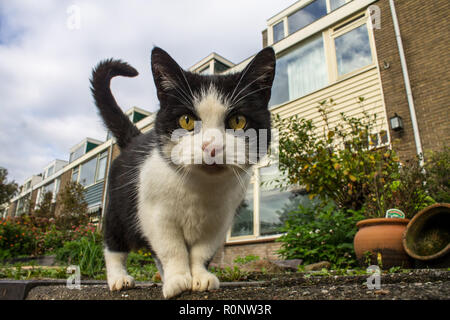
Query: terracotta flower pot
[[382, 236], [427, 236]]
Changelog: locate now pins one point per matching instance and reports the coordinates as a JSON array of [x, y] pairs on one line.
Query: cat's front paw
[[204, 280], [119, 282], [176, 284]]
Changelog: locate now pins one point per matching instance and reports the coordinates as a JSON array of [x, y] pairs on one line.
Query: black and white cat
[[181, 210]]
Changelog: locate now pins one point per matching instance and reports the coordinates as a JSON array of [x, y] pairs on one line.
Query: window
[[77, 153], [278, 31], [101, 169], [205, 71], [274, 205], [92, 171], [334, 4], [50, 171], [353, 50], [87, 174], [49, 187], [265, 214], [75, 174], [301, 71], [243, 221], [307, 15]]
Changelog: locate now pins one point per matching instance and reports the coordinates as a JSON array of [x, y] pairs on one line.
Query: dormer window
[[334, 4], [82, 148], [212, 64], [50, 171], [205, 71], [307, 15], [296, 18], [278, 31], [328, 56]]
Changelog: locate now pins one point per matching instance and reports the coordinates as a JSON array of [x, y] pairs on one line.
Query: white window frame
[[328, 36], [343, 29], [99, 157], [256, 181], [285, 19]]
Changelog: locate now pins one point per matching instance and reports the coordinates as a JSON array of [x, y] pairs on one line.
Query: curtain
[[306, 68]]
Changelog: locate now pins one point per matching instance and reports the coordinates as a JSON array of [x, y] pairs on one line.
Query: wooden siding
[[94, 194], [345, 94]]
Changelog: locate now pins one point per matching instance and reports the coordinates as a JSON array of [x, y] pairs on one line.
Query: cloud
[[45, 102]]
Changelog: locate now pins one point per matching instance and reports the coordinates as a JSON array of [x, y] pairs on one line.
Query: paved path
[[419, 284]]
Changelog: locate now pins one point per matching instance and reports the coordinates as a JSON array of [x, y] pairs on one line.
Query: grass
[[19, 272]]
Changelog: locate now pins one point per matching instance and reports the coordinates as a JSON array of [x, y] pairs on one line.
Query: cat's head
[[213, 124]]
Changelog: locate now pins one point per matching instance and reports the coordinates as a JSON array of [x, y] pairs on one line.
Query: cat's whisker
[[248, 94], [248, 85], [242, 76]]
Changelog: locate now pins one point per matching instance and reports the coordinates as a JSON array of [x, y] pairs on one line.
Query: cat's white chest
[[169, 203]]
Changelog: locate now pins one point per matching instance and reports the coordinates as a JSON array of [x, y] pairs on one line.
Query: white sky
[[45, 102]]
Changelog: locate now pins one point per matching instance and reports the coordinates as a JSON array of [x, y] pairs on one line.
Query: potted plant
[[379, 239], [347, 160]]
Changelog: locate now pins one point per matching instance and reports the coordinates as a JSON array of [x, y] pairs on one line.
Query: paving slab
[[417, 284]]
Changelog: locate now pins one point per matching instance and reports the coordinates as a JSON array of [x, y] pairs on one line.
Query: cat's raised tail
[[113, 117]]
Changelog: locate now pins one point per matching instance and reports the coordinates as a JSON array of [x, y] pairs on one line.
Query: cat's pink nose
[[211, 149]]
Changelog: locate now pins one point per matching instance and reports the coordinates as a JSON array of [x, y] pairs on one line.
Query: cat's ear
[[167, 74], [260, 72]]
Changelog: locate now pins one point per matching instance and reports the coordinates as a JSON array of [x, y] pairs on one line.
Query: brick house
[[340, 49]]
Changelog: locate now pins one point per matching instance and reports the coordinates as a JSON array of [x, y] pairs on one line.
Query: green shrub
[[86, 252], [246, 259], [437, 168], [339, 161], [320, 232], [15, 240], [404, 190]]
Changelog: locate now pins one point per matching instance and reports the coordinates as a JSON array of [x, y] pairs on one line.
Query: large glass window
[[307, 15], [301, 71], [353, 50], [334, 4], [243, 221], [101, 166], [278, 31], [49, 187], [87, 174], [274, 204]]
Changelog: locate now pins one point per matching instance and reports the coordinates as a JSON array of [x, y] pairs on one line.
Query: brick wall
[[115, 151], [265, 250], [33, 198], [12, 209], [65, 179], [426, 41]]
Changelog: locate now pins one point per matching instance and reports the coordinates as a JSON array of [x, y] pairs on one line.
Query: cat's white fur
[[184, 219]]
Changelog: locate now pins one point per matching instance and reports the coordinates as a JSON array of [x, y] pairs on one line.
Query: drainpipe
[[409, 95]]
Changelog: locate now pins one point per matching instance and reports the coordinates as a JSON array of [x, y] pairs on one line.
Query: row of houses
[[392, 53]]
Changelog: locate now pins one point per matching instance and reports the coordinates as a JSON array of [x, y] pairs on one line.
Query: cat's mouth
[[212, 168]]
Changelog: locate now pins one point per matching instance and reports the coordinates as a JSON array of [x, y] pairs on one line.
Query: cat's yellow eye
[[237, 122], [186, 122]]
